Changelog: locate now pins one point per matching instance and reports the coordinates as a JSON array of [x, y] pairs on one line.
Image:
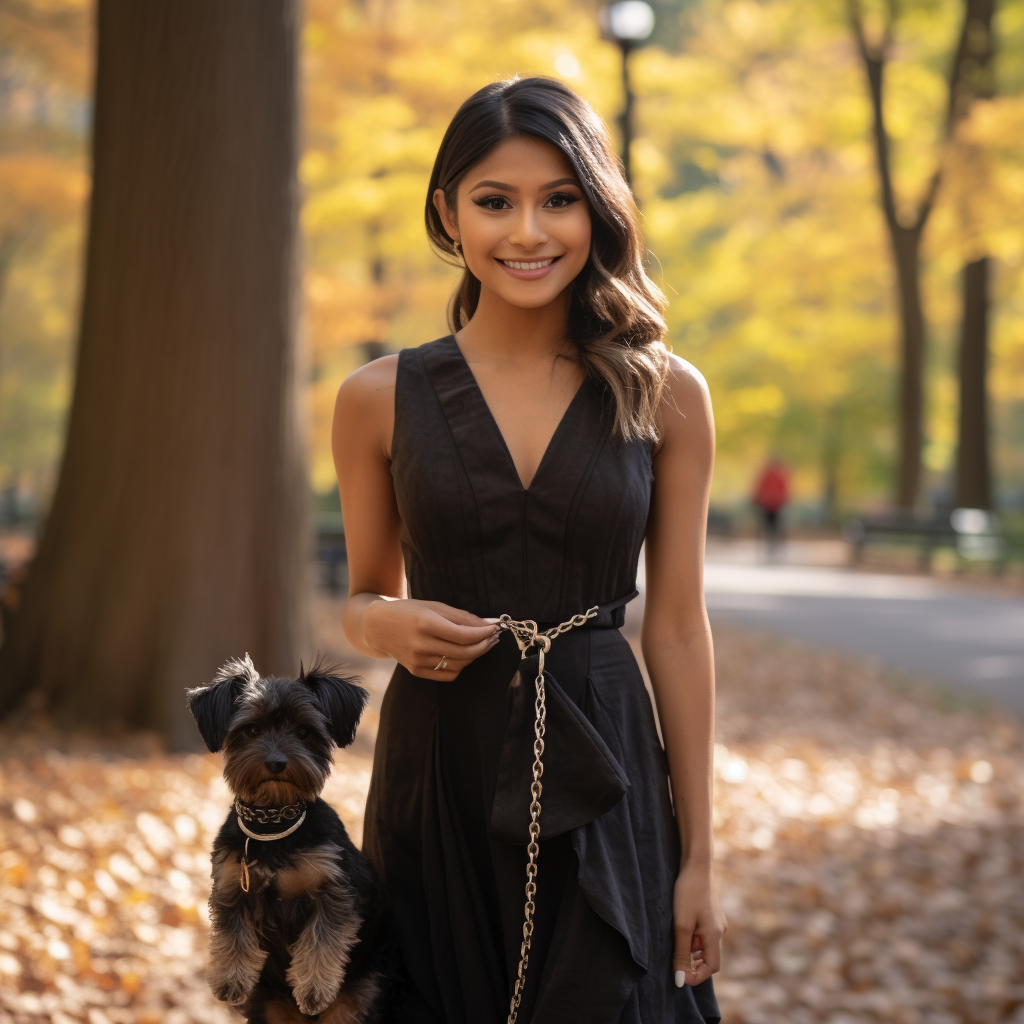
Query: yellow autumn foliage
[[752, 162]]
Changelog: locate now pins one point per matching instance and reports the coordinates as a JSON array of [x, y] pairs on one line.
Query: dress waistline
[[611, 615]]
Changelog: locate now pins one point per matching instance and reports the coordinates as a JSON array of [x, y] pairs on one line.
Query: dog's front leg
[[236, 959], [320, 954]]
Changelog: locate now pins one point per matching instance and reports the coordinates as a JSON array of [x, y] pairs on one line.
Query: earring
[[457, 246]]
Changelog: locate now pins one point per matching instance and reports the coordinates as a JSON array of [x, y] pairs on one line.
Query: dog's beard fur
[[289, 726]]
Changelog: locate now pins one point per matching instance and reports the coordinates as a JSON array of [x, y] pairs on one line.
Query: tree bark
[[906, 245], [973, 467], [973, 487], [178, 534]]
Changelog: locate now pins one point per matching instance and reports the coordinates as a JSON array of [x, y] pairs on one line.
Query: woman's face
[[522, 221]]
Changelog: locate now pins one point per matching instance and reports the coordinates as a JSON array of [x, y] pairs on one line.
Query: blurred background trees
[[757, 167], [833, 194], [755, 162], [45, 56]]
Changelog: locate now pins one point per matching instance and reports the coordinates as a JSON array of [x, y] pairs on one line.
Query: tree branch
[[962, 93], [874, 58]]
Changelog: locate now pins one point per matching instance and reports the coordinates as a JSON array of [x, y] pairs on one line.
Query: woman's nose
[[526, 231]]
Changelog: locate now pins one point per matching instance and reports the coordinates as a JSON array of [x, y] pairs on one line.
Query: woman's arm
[[378, 619], [676, 643], [364, 420]]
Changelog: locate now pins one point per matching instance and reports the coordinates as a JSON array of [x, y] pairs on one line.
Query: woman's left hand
[[699, 925]]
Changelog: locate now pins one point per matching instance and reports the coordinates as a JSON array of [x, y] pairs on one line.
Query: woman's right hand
[[418, 634]]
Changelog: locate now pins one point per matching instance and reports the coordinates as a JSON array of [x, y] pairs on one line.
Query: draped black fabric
[[449, 796]]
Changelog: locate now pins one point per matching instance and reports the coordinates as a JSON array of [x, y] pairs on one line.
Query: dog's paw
[[233, 991], [235, 961], [315, 1000]]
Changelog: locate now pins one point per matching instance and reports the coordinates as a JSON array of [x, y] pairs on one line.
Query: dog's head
[[277, 734]]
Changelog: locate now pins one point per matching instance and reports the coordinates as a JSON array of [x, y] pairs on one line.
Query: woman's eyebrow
[[494, 184], [512, 188]]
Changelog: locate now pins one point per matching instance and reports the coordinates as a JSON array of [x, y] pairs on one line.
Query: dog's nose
[[276, 765]]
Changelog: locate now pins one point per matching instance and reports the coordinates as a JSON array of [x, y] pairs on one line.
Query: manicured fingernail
[[680, 979], [492, 620]]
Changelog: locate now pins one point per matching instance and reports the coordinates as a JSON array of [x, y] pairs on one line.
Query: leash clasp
[[526, 632]]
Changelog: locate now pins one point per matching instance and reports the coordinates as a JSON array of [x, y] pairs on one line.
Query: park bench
[[974, 534]]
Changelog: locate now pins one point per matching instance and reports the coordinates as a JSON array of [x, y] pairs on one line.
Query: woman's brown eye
[[493, 203]]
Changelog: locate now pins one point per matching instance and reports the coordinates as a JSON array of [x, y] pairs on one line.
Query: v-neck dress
[[447, 813]]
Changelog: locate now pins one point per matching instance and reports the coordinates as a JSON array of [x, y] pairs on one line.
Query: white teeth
[[518, 265]]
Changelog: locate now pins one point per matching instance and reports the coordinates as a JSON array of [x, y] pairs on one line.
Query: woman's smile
[[529, 270]]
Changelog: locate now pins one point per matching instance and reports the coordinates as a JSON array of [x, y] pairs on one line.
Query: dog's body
[[312, 931], [301, 928]]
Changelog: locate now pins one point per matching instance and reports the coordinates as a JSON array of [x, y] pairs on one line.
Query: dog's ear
[[213, 705], [340, 699]]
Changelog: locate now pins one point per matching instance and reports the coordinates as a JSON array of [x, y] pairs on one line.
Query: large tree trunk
[[973, 467], [178, 534], [973, 461], [906, 243]]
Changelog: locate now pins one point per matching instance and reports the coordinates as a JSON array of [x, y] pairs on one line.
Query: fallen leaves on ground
[[870, 845], [104, 878]]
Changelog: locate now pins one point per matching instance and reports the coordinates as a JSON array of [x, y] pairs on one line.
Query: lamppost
[[627, 23]]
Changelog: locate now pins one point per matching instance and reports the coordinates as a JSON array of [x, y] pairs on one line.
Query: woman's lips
[[529, 270]]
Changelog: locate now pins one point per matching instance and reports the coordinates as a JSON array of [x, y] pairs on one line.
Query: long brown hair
[[615, 309]]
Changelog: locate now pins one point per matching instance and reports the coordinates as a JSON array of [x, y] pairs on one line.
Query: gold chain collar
[[265, 816], [269, 815]]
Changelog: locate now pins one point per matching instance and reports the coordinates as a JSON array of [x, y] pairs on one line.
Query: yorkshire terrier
[[300, 925]]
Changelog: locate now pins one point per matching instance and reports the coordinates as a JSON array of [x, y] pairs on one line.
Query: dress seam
[[479, 579]]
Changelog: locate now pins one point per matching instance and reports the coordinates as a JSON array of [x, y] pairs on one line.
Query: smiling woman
[[497, 485], [537, 127], [536, 230]]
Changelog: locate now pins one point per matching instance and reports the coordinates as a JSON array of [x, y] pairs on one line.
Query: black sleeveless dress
[[447, 813]]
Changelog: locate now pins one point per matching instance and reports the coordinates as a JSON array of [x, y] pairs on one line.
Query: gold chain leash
[[527, 636]]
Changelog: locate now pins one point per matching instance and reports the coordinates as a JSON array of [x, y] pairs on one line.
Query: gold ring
[[442, 664]]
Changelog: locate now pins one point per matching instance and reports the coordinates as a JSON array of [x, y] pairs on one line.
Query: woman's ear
[[451, 225]]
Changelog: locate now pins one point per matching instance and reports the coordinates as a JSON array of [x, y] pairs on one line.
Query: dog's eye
[[252, 730], [302, 732]]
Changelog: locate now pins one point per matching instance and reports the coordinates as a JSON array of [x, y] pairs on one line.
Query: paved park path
[[969, 639]]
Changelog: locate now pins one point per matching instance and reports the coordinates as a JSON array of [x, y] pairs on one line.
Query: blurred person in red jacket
[[771, 493]]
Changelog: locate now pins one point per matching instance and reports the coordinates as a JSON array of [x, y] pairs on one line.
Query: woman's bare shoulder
[[685, 411], [366, 400], [372, 382], [685, 380]]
